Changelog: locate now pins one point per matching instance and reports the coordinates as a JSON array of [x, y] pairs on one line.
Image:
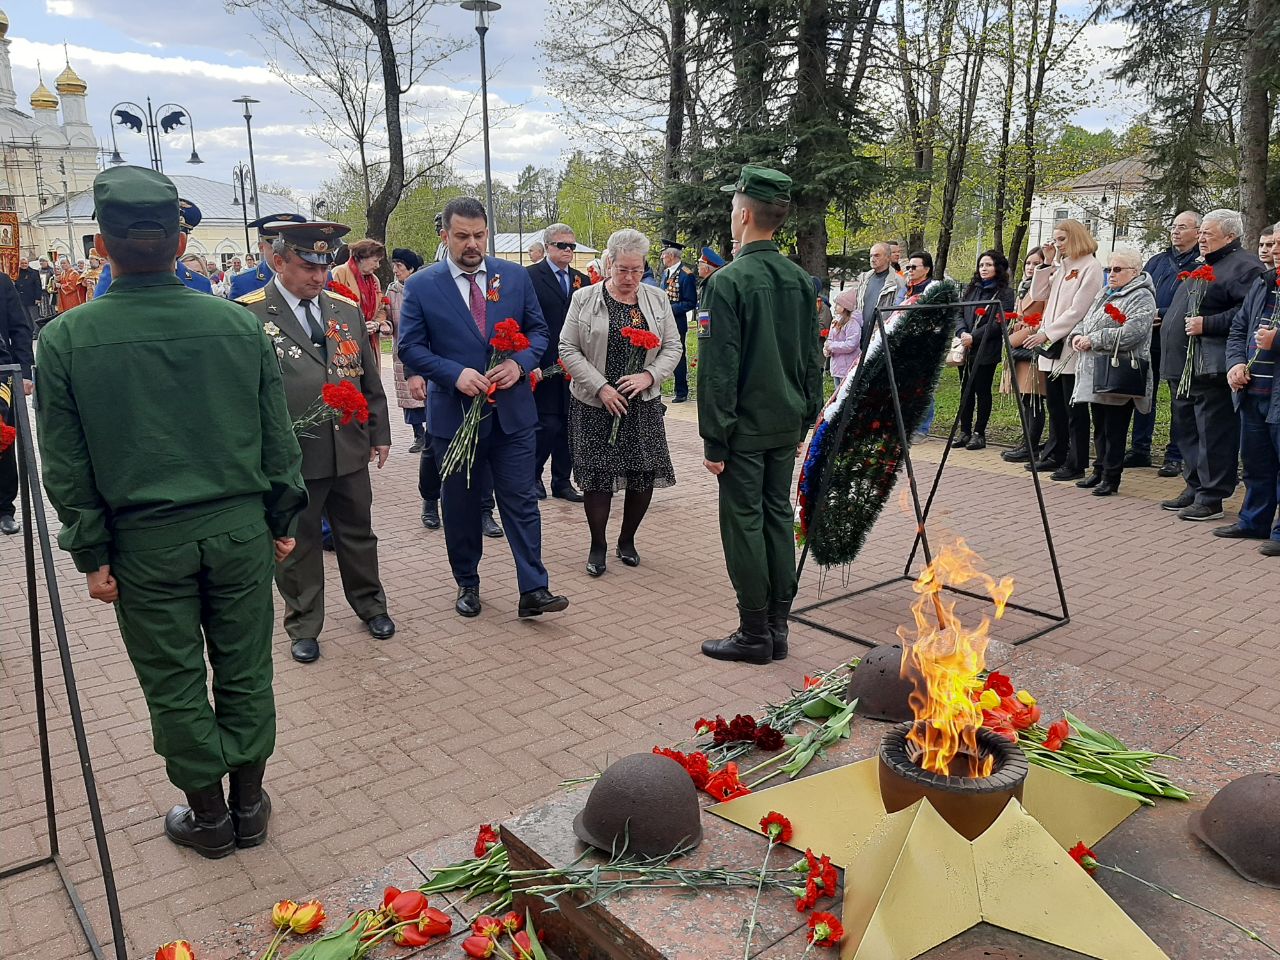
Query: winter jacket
[[1164, 268], [1240, 345], [1068, 289], [988, 340], [1234, 270], [844, 344], [1107, 338]]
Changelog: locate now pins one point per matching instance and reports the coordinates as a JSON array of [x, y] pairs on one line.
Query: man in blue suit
[[248, 281], [682, 291], [447, 318]]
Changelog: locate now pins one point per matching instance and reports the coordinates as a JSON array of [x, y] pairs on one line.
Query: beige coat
[[1068, 289], [584, 341]]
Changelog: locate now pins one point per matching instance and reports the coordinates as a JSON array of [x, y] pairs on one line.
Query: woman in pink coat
[[844, 338], [1068, 281]]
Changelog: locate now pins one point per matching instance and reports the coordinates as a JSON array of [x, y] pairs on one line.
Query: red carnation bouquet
[[1197, 281], [1116, 314], [642, 341], [341, 401], [342, 290], [8, 435], [507, 341]]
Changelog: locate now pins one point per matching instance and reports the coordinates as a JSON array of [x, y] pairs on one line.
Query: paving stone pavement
[[386, 746]]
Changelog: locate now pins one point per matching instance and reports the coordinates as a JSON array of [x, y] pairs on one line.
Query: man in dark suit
[[447, 319], [554, 282], [15, 336], [682, 291]]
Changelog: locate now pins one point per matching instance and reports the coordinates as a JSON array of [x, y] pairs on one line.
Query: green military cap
[[135, 203], [315, 241], [762, 183]]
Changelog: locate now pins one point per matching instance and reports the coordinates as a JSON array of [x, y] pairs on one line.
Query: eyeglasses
[[563, 245]]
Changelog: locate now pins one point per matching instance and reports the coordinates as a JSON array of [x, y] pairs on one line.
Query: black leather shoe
[[468, 603], [1106, 488], [750, 643], [416, 446], [1092, 480], [628, 555], [431, 514], [977, 442], [596, 562], [1018, 454], [306, 650], [537, 602], [680, 398], [1270, 549], [1137, 458], [962, 440], [1063, 474], [1170, 468], [203, 824], [381, 627], [1044, 466], [1180, 502], [567, 493], [9, 526], [489, 526], [540, 490], [779, 627], [249, 805], [1237, 532]]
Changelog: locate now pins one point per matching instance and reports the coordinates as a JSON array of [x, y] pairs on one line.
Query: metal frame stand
[[33, 511], [921, 541]]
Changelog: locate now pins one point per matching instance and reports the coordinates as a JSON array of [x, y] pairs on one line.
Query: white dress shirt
[[463, 284], [295, 304]]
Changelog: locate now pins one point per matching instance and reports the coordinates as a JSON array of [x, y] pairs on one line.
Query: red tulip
[[283, 912], [308, 918], [1059, 730], [487, 926], [486, 838], [404, 904], [177, 950], [434, 923], [524, 946], [479, 947], [412, 936], [512, 922]]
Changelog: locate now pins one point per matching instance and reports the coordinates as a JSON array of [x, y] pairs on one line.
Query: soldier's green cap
[[762, 183], [135, 203]]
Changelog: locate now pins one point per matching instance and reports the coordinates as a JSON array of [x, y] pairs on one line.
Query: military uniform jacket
[[161, 422], [247, 281], [759, 356], [682, 290], [328, 449]]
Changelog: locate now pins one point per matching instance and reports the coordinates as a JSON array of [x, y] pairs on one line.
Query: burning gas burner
[[969, 804]]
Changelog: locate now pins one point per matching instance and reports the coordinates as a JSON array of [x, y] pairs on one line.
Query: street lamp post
[[156, 122], [238, 173], [253, 170], [482, 9], [319, 209]]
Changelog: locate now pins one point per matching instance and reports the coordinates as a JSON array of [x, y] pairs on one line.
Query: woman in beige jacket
[[1068, 281], [634, 456]]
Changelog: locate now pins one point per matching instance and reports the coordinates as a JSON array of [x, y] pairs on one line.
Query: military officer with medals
[[682, 291], [759, 390], [179, 528], [320, 339], [189, 217], [708, 263], [250, 280]]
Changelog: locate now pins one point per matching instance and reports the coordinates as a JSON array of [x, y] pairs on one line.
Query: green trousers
[[757, 527], [177, 602]]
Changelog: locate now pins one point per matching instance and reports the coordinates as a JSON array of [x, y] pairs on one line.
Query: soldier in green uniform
[[759, 390], [176, 525], [320, 339]]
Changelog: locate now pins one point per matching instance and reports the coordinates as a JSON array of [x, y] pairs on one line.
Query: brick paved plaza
[[385, 747]]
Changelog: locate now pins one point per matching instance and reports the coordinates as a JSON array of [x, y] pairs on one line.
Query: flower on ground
[[283, 912], [768, 738], [825, 930], [1084, 856], [512, 922], [695, 764], [486, 838], [479, 947], [810, 682], [821, 881], [404, 904], [308, 918], [434, 923], [177, 950], [1000, 683], [725, 785], [523, 946], [742, 727], [412, 936], [1059, 730], [776, 827], [487, 926]]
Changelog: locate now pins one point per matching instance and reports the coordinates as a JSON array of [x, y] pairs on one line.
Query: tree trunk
[[957, 155], [1006, 121], [1255, 126], [676, 94], [809, 106], [384, 203], [1037, 69]]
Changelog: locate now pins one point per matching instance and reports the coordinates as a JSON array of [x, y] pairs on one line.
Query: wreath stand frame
[[33, 509], [921, 541]]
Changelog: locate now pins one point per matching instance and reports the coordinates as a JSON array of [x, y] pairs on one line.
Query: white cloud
[[60, 8], [26, 53]]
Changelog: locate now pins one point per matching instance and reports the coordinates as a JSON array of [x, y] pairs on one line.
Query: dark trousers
[[553, 444], [1110, 430], [1260, 451], [1144, 424], [177, 603], [347, 502], [9, 475], [682, 368], [1033, 410], [979, 396], [1068, 426], [429, 477], [1207, 430], [756, 528], [509, 457]]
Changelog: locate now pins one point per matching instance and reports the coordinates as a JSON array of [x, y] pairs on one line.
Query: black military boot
[[204, 824], [750, 643], [250, 805], [779, 615]]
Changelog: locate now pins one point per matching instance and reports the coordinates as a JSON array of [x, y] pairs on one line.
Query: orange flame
[[943, 660]]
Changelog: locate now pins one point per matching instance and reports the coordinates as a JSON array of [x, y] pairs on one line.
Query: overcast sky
[[202, 57]]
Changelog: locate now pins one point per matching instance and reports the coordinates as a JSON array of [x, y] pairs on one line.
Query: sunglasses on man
[[563, 245]]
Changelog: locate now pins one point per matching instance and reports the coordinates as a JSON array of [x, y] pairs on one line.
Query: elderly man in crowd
[[537, 250], [1252, 351], [1204, 423], [880, 287], [682, 291], [1163, 268]]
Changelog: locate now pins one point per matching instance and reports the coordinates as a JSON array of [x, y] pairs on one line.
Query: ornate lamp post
[[241, 198], [253, 170], [153, 123], [482, 9]]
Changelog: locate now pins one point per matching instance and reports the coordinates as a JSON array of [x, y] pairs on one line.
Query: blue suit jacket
[[247, 282], [439, 339]]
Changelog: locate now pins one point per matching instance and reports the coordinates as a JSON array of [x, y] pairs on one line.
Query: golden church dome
[[4, 24], [69, 82], [42, 99]]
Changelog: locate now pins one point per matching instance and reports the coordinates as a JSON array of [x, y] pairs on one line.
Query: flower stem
[[1191, 903], [776, 758], [751, 921]]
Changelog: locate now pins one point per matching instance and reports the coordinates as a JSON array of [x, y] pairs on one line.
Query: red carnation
[[8, 435], [768, 738], [825, 930], [742, 728], [1184, 275], [1084, 856], [507, 337], [725, 785], [640, 338], [1112, 311], [776, 827], [333, 286], [347, 401]]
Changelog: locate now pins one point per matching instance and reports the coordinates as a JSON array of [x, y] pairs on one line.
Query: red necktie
[[478, 309]]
